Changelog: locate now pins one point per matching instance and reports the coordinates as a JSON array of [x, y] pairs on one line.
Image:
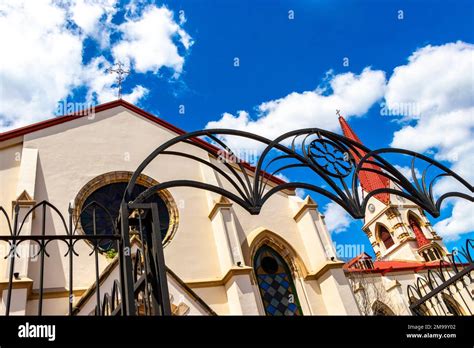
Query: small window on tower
[[385, 237]]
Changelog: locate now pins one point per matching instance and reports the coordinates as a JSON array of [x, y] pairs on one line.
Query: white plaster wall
[[9, 172], [215, 297], [51, 306], [315, 298], [73, 153]]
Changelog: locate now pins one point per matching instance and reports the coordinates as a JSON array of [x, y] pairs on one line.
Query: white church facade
[[221, 260]]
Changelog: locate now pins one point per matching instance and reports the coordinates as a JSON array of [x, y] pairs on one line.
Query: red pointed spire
[[369, 181]]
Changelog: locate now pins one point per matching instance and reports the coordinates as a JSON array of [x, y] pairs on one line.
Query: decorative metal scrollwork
[[330, 157], [328, 165], [327, 162], [65, 235]]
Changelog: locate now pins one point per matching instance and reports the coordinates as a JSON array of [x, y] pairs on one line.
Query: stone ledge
[[234, 271], [223, 203], [55, 293], [392, 285], [23, 283], [323, 269], [308, 203]]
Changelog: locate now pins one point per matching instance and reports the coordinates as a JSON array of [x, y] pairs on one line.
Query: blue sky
[[281, 60]]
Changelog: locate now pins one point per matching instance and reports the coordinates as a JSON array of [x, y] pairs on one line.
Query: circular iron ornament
[[333, 159]]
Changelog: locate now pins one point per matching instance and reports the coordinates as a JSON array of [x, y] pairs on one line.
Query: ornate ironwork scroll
[[326, 159], [330, 159]]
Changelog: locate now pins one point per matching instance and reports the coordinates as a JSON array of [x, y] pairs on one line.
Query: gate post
[[159, 264], [128, 293]]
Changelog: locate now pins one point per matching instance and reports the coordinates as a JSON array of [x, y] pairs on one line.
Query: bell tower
[[396, 227]]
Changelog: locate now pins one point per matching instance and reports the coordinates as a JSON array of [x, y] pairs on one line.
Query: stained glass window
[[276, 284], [110, 196]]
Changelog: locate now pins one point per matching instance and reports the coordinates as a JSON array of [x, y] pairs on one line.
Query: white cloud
[[282, 177], [42, 58], [94, 18], [438, 82], [461, 221], [134, 7], [336, 218], [148, 42], [353, 94], [301, 193], [101, 84], [137, 93], [437, 79], [40, 61], [406, 172], [448, 133]]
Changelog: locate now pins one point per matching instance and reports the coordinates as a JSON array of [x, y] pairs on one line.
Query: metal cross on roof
[[121, 72]]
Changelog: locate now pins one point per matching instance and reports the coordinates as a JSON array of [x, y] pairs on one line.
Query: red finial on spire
[[369, 181]]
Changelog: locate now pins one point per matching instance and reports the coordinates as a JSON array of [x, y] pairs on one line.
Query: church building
[[220, 259]]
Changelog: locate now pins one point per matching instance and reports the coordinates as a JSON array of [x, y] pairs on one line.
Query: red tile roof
[[389, 266], [362, 256]]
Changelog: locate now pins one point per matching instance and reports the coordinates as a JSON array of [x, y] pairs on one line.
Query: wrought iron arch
[[328, 155]]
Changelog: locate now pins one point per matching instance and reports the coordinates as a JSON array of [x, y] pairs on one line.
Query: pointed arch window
[[381, 309], [452, 306], [275, 282], [421, 310], [385, 237]]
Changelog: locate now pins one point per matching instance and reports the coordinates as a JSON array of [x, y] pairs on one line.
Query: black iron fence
[[447, 290], [140, 288]]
